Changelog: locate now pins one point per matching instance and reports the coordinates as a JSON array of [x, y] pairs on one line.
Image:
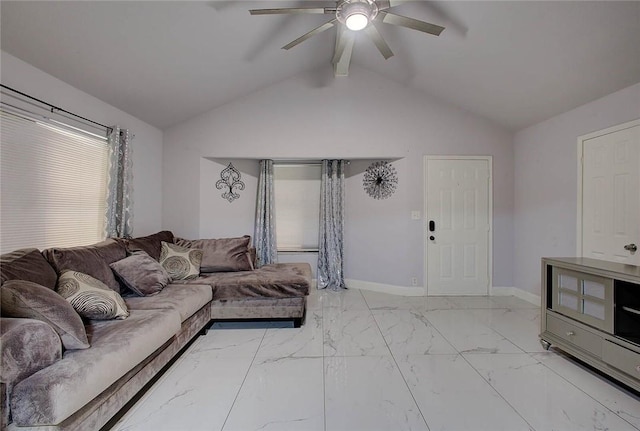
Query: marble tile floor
[[377, 362]]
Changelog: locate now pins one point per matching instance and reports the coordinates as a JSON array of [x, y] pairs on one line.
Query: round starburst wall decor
[[380, 180]]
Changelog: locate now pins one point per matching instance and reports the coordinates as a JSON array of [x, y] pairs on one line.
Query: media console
[[591, 310]]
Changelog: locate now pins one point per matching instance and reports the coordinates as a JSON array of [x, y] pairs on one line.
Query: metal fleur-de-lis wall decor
[[230, 180]]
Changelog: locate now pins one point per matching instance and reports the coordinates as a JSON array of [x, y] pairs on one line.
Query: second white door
[[458, 215], [611, 195]]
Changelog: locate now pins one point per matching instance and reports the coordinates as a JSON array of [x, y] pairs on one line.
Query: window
[[53, 184], [296, 190]]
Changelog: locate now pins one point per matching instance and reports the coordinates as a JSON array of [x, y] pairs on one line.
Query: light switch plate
[[415, 215]]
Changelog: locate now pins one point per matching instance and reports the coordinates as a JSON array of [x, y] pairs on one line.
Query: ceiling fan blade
[[320, 10], [403, 21], [377, 39], [343, 40], [343, 51], [384, 4], [326, 26]]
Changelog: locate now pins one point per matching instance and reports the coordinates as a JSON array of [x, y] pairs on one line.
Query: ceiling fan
[[354, 15]]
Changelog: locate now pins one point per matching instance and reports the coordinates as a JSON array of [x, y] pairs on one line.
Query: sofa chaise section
[[279, 280], [275, 291]]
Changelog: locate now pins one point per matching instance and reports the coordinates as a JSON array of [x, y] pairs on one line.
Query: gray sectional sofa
[[45, 386]]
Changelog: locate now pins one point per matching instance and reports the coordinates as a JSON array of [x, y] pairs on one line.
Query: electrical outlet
[[414, 281]]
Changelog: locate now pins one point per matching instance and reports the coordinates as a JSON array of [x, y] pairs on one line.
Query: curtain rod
[[53, 109], [303, 161]]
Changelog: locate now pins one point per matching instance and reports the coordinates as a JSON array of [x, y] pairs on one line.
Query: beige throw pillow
[[181, 263], [91, 298]]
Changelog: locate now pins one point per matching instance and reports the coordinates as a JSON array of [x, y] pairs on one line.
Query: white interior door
[[458, 216], [611, 196]]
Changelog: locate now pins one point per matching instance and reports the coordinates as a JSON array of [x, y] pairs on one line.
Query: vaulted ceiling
[[515, 63]]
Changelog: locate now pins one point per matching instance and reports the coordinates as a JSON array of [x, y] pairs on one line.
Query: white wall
[[147, 145], [362, 116], [546, 181]]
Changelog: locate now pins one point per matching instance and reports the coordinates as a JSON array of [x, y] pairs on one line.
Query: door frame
[[581, 140], [425, 233]]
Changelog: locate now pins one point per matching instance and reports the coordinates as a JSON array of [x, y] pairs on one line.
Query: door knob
[[631, 247]]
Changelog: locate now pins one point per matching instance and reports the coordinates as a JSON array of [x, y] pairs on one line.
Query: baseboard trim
[[420, 291], [517, 292], [385, 288]]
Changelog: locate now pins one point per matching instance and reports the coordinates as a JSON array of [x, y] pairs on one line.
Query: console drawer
[[575, 335], [621, 358]]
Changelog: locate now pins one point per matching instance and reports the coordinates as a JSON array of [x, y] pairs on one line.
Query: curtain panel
[[119, 217], [265, 229], [330, 242]]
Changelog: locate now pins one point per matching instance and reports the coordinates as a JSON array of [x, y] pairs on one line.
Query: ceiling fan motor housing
[[349, 8]]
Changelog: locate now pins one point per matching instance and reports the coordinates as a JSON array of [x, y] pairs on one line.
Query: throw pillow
[[30, 300], [91, 298], [223, 254], [141, 273], [27, 264], [92, 259], [181, 263], [149, 244]]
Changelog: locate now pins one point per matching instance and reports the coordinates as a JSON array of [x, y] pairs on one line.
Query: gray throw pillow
[[91, 298], [141, 273], [222, 254], [92, 259], [181, 263], [26, 299], [150, 244], [27, 264]]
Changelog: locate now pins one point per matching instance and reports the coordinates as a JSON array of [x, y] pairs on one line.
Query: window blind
[[296, 190], [53, 185]]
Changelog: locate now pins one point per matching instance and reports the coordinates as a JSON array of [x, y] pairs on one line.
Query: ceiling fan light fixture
[[356, 21], [356, 14]]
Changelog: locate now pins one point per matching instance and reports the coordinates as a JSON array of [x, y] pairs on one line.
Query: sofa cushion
[[91, 298], [27, 264], [149, 244], [141, 273], [117, 346], [185, 298], [21, 298], [28, 346], [93, 260], [181, 263], [223, 254], [280, 280]]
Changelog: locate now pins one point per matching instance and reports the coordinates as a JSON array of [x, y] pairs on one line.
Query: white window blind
[[297, 206], [53, 185]]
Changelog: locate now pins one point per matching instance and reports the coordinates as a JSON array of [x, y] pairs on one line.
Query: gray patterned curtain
[[265, 234], [119, 214], [330, 243]]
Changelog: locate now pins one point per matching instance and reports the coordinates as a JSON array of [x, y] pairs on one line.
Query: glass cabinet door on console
[[586, 297]]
